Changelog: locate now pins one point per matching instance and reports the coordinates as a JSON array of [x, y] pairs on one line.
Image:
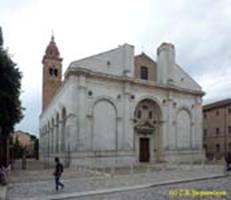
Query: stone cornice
[[125, 79], [152, 84]]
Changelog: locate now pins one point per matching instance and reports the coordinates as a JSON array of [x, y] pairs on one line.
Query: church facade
[[115, 108]]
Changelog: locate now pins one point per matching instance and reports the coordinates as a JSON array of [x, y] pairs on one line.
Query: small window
[[205, 132], [229, 110], [205, 115], [144, 73], [55, 72], [51, 71], [217, 113], [108, 63], [150, 114], [205, 147], [90, 93], [229, 129], [218, 148], [217, 131], [229, 146]]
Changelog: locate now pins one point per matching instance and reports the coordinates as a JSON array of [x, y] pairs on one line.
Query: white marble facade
[[102, 115]]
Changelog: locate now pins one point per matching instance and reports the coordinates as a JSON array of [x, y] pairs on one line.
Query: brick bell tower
[[52, 72]]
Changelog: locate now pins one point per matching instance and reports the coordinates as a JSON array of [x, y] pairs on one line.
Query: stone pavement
[[79, 183], [186, 191], [3, 190]]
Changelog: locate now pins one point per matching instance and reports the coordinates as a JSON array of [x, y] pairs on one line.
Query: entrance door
[[144, 150]]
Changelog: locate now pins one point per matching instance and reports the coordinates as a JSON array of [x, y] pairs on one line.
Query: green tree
[[10, 104]]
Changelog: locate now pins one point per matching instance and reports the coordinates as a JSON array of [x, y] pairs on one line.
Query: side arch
[[100, 98], [183, 128], [104, 125]]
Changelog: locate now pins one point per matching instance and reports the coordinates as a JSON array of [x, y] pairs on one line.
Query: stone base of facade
[[184, 156], [94, 159], [120, 159]]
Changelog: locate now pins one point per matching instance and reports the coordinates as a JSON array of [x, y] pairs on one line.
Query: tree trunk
[[4, 152]]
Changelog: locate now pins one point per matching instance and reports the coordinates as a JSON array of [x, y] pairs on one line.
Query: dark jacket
[[58, 169]]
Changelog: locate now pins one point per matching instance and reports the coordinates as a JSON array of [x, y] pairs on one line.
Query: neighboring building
[[25, 140], [217, 129], [115, 108]]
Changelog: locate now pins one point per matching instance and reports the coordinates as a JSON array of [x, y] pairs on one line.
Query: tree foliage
[[10, 88]]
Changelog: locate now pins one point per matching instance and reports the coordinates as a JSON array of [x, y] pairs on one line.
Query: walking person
[[57, 174]]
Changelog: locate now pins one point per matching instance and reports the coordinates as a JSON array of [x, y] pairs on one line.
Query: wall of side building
[[217, 132]]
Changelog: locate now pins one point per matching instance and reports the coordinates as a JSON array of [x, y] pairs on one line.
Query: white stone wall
[[119, 61], [52, 134], [99, 121]]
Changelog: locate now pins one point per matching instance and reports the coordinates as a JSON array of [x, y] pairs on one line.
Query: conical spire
[[52, 37], [52, 51]]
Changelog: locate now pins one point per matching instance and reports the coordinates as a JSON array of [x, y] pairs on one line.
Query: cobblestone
[[162, 192], [79, 182]]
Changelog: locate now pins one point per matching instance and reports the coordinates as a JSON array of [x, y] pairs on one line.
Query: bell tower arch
[[52, 72]]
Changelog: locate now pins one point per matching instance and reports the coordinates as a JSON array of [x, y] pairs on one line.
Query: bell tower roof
[[52, 51]]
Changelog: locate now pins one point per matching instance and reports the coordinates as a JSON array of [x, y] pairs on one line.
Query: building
[[26, 140], [115, 108], [217, 129]]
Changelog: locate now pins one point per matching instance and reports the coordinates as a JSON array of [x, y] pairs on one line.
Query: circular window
[[90, 93]]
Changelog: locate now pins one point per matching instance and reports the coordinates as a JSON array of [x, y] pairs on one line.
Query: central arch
[[147, 131]]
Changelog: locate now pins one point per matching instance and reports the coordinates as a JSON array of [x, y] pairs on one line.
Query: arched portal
[[147, 119]]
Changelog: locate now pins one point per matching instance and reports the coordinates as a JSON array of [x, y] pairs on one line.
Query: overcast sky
[[199, 29]]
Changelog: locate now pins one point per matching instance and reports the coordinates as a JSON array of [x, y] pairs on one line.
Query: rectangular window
[[218, 148], [217, 131], [229, 147], [150, 114], [217, 113], [229, 129], [205, 132], [205, 115], [229, 110], [205, 147], [144, 73]]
